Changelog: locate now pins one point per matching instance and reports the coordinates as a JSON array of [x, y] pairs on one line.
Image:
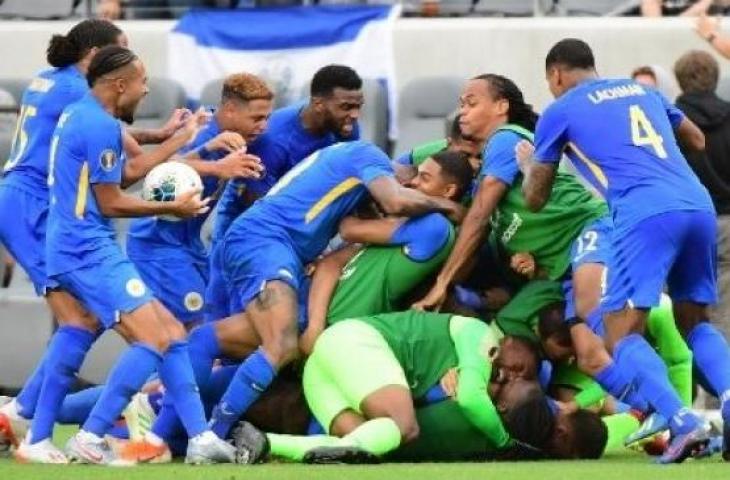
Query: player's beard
[[127, 118]]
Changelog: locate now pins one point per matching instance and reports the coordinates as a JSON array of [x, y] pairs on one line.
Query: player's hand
[[434, 299], [189, 204], [240, 164], [192, 123], [523, 152], [450, 382], [175, 122], [524, 264], [228, 141], [706, 25]]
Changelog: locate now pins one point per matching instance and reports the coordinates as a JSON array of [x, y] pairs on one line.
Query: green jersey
[[548, 234], [520, 316], [420, 153], [377, 278]]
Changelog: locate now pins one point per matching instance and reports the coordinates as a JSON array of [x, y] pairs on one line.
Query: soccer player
[[363, 375], [293, 133], [169, 255], [664, 226], [265, 252], [87, 168]]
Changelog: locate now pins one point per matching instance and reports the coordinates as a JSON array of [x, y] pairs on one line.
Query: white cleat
[[86, 447], [40, 452], [139, 416], [207, 448], [13, 427]]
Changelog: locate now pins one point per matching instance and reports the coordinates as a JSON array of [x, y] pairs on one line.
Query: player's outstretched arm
[[148, 136], [375, 231], [538, 177], [237, 164], [397, 200], [690, 135], [114, 203]]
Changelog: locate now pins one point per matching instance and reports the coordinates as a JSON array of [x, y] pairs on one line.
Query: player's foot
[[139, 416], [338, 455], [685, 445], [652, 425], [86, 447], [207, 448], [13, 427], [713, 446], [144, 451], [252, 445], [40, 452]]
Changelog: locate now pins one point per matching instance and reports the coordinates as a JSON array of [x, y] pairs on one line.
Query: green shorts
[[350, 361]]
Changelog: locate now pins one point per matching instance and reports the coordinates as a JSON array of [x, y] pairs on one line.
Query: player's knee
[[689, 315], [592, 361], [283, 349], [409, 431]]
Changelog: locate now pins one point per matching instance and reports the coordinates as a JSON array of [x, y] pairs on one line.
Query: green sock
[[680, 375], [378, 436], [293, 447], [619, 426]]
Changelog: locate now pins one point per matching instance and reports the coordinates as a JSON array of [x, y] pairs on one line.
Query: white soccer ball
[[167, 181]]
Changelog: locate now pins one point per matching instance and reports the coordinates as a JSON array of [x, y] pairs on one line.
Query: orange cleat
[[145, 452]]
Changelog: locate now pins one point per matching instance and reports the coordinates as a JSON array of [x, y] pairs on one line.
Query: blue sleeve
[[675, 115], [499, 157], [103, 143], [405, 159], [65, 94], [551, 135], [422, 237], [371, 163], [276, 161]]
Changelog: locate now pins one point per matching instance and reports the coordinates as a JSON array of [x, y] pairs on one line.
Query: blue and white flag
[[285, 46]]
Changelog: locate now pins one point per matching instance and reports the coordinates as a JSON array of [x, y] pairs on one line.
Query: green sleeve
[[475, 343], [422, 152], [590, 396]]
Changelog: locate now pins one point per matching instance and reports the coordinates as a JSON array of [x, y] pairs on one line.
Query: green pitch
[[627, 466]]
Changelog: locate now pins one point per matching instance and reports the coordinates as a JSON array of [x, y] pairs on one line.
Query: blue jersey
[[151, 237], [305, 207], [86, 149], [620, 136], [43, 101], [284, 144]]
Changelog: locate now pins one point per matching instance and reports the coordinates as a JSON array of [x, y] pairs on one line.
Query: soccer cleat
[[85, 447], [252, 445], [40, 452], [145, 452], [713, 446], [652, 425], [13, 427], [207, 448], [340, 455], [683, 446], [139, 416]]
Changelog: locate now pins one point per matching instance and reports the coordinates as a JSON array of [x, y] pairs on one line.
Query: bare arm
[[147, 136], [651, 8], [538, 177], [114, 203], [690, 135], [699, 8], [397, 200], [377, 231], [471, 235]]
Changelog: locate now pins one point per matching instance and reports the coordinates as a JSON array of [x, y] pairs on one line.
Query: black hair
[[533, 349], [65, 50], [330, 77], [108, 59], [520, 113], [531, 421], [590, 434], [456, 166], [455, 132], [571, 53], [551, 321]]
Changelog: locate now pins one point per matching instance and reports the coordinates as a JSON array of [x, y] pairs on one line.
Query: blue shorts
[[593, 245], [676, 248], [251, 261], [179, 283], [25, 235], [217, 296], [107, 288]]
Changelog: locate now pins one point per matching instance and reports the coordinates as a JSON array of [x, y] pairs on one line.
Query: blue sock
[[27, 398], [633, 353], [177, 377], [77, 406], [252, 378], [132, 369], [155, 401], [218, 384], [167, 424], [119, 431], [66, 353], [712, 358], [621, 387]]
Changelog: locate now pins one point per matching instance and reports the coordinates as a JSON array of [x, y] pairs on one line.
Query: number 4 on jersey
[[643, 133]]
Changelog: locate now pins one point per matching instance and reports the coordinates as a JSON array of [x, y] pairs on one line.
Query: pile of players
[[314, 315]]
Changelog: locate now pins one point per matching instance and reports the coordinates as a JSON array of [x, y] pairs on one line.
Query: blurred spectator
[[709, 29], [683, 8], [698, 73], [109, 9], [644, 75], [146, 9], [657, 77]]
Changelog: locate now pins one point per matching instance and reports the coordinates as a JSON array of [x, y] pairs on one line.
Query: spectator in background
[[109, 9], [683, 8], [657, 77], [698, 73], [709, 29], [644, 75]]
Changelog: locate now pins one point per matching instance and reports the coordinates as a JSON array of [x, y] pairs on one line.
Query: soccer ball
[[168, 180]]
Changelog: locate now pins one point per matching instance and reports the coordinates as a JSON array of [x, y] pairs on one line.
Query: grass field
[[626, 466]]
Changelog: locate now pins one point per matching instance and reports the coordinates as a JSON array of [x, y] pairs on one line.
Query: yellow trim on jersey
[[82, 192], [330, 197], [595, 169]]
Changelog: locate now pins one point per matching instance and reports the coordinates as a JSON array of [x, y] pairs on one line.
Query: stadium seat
[[211, 94], [596, 7], [37, 9], [456, 7], [16, 87], [507, 8], [422, 109], [374, 113], [165, 96]]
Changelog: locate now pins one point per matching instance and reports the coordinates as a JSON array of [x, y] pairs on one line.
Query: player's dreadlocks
[[65, 50], [520, 113]]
